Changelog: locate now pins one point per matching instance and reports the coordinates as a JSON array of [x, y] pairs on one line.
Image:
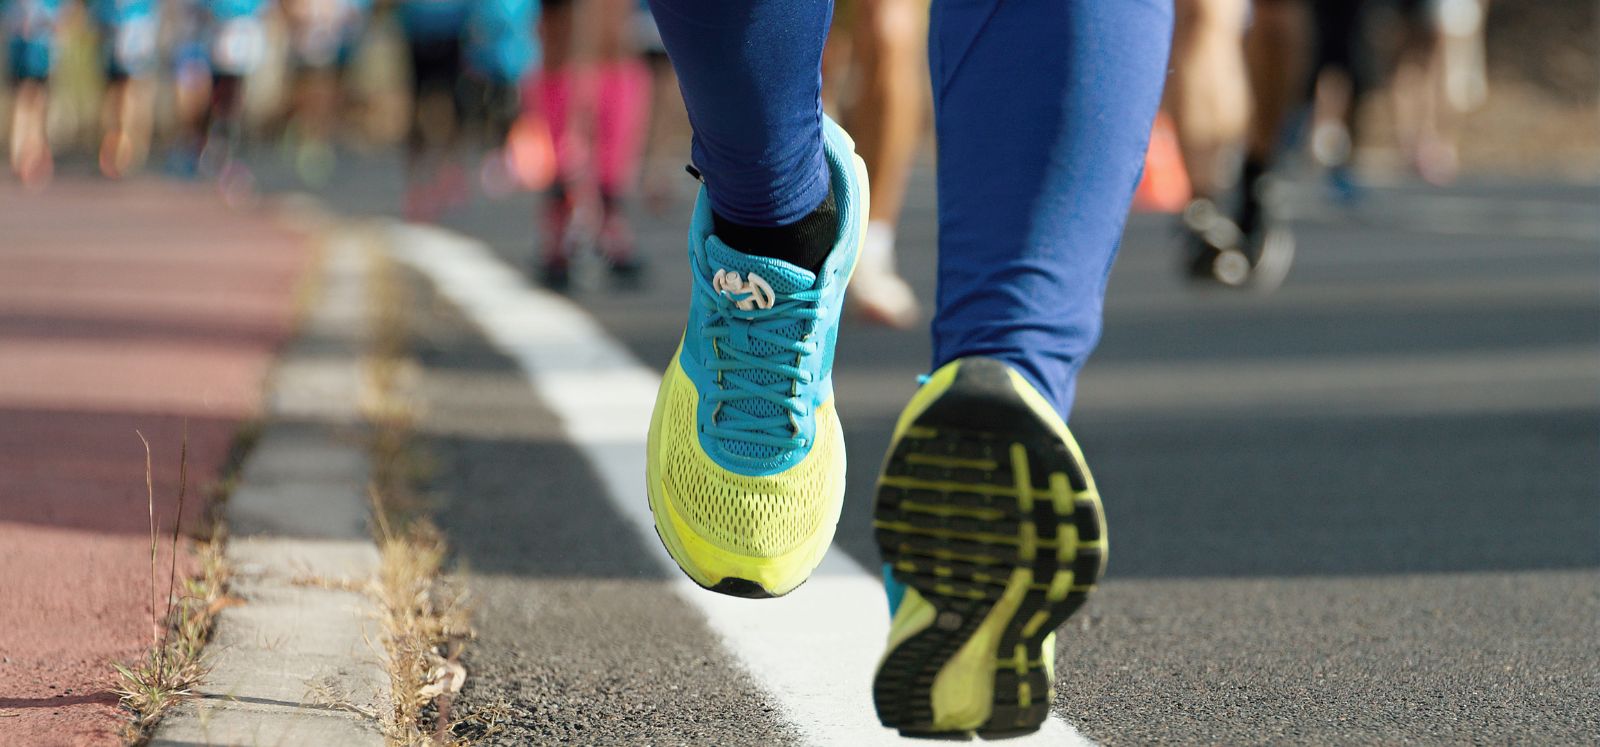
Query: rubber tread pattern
[[978, 418]]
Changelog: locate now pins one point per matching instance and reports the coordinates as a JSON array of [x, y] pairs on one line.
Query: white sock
[[877, 249]]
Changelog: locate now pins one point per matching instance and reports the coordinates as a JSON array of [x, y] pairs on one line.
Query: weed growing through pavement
[[151, 685], [426, 617]]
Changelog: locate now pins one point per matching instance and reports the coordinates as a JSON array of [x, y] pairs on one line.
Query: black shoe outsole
[[743, 588], [960, 548]]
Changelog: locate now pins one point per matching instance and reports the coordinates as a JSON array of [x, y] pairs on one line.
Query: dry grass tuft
[[150, 686], [426, 617], [426, 626]]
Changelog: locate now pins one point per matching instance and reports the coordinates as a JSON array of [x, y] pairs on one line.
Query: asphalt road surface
[[1363, 509]]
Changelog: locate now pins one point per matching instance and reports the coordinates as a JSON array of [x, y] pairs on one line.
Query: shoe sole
[[990, 516]]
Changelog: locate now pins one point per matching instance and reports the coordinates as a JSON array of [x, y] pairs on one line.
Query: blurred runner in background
[[1234, 232], [662, 165], [594, 91], [128, 39], [30, 32], [435, 31], [1326, 52], [501, 49], [889, 43], [222, 42], [1344, 69], [1208, 96], [323, 35], [1439, 75]]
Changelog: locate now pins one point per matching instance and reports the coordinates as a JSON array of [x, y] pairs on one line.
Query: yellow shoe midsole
[[704, 561]]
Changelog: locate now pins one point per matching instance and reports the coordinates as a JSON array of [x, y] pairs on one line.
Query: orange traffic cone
[[1165, 186]]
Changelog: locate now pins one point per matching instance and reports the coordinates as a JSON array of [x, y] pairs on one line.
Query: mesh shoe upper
[[761, 370], [747, 461], [762, 515]]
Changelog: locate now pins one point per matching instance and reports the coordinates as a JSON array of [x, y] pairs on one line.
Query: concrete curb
[[301, 662]]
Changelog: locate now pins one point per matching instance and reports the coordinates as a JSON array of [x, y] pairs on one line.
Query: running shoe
[[882, 296], [746, 457], [1253, 248], [992, 534], [617, 247], [557, 249]]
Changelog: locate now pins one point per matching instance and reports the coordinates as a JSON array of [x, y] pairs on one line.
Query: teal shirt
[[500, 38]]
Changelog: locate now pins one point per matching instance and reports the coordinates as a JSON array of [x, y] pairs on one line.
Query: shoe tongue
[[782, 276]]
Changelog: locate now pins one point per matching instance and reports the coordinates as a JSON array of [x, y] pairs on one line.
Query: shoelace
[[739, 312]]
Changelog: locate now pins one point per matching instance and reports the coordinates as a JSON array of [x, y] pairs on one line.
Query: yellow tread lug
[[1059, 586], [1061, 494], [1019, 475]]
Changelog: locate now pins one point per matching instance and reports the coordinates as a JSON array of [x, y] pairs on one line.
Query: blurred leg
[[622, 98], [621, 115], [558, 92], [1275, 51], [890, 44], [30, 145], [114, 103], [890, 38], [1208, 94]]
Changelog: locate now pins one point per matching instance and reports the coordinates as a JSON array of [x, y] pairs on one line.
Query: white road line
[[1475, 382], [1446, 213], [813, 651]]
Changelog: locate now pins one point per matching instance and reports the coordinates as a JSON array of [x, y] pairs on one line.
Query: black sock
[[1254, 169], [803, 243], [1248, 215]]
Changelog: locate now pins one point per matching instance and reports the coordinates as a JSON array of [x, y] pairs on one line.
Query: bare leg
[[1274, 48], [30, 145], [1208, 94], [1238, 246], [1424, 106], [315, 117], [887, 116], [664, 144], [890, 45], [127, 124]]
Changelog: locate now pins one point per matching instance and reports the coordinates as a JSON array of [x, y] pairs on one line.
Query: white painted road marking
[[814, 651], [1458, 214]]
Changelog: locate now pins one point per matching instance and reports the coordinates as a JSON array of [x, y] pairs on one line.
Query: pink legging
[[613, 99]]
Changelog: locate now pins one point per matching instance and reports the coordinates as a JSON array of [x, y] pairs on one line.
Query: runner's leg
[[1208, 95], [1029, 221], [890, 43], [751, 78], [1043, 110]]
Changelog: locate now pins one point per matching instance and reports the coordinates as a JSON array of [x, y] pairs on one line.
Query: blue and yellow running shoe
[[992, 534], [746, 461]]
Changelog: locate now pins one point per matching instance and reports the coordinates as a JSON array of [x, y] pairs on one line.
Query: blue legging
[[1042, 109]]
